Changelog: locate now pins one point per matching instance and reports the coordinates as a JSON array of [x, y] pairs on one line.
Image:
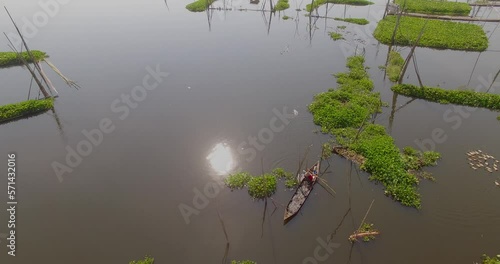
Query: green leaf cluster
[[317, 3], [17, 110], [344, 113], [199, 5], [335, 36], [146, 260], [460, 97], [433, 7], [238, 180], [263, 186], [281, 5], [491, 260], [359, 21], [9, 59], [367, 227], [394, 66], [438, 34]]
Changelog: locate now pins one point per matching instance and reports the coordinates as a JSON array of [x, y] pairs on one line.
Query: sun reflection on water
[[221, 159]]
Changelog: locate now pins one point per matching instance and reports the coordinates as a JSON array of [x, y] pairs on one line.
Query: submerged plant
[[238, 180], [199, 5], [146, 260], [26, 108], [438, 34], [394, 66], [359, 21], [336, 36], [261, 187]]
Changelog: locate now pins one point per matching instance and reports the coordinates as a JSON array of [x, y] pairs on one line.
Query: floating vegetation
[[243, 262], [394, 66], [438, 34], [199, 5], [336, 36], [9, 59], [290, 180], [326, 151], [286, 17], [416, 160], [460, 97], [359, 21], [146, 260], [480, 160], [341, 27], [281, 5], [366, 231], [318, 3], [498, 118], [261, 187], [434, 7], [238, 180], [491, 260], [344, 113], [18, 110]]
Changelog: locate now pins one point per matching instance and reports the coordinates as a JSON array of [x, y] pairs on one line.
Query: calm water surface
[[226, 76]]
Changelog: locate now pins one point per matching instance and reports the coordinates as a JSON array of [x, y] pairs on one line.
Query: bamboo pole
[[407, 61]]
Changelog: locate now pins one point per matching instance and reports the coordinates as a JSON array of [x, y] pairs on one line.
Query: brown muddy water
[[227, 79]]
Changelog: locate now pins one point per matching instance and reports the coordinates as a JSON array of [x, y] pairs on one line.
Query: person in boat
[[311, 177]]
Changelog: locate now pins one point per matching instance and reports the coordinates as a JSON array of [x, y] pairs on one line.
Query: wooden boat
[[301, 193]]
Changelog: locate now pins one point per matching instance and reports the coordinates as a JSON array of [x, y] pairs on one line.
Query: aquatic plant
[[341, 27], [415, 160], [438, 34], [263, 186], [290, 180], [491, 260], [434, 7], [199, 5], [498, 118], [367, 228], [281, 5], [285, 17], [243, 262], [9, 59], [318, 3], [394, 66], [336, 36], [238, 180], [26, 108], [359, 21], [442, 96], [344, 113], [146, 260], [326, 150]]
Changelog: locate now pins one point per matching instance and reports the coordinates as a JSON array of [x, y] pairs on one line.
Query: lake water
[[229, 73]]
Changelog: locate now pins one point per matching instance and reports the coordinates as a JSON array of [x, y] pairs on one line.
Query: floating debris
[[479, 159], [497, 183]]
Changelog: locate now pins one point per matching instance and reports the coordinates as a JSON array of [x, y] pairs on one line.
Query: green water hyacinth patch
[[442, 96], [336, 36], [146, 260], [345, 113], [318, 3], [281, 5], [261, 187], [491, 260], [394, 66], [359, 21], [238, 180], [435, 7], [23, 109], [199, 6], [10, 59], [438, 34]]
